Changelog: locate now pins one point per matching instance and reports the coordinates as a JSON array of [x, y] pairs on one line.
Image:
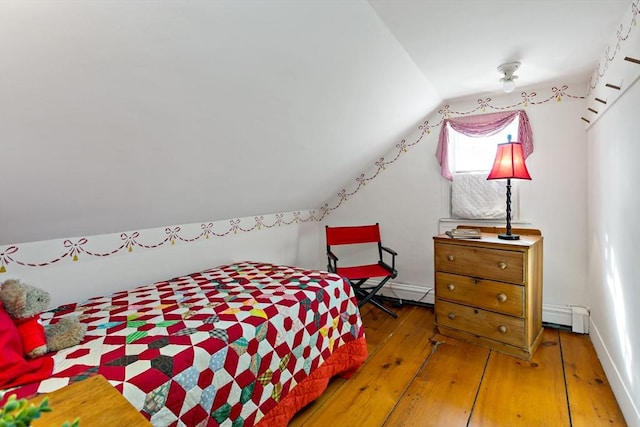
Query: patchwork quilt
[[237, 345]]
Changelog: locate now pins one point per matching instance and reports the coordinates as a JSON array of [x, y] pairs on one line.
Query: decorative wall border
[[528, 99], [618, 68], [41, 254], [100, 246], [607, 58]]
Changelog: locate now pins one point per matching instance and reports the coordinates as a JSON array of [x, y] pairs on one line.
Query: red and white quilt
[[238, 345]]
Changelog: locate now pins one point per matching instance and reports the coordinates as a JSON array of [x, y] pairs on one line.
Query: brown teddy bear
[[24, 303]]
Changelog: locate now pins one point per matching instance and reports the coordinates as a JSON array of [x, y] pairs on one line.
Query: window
[[476, 154], [466, 152]]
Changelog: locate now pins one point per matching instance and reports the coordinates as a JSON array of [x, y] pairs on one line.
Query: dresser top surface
[[491, 239]]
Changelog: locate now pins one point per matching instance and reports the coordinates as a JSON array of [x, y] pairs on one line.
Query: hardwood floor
[[415, 377]]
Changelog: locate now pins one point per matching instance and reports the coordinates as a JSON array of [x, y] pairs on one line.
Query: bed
[[239, 345]]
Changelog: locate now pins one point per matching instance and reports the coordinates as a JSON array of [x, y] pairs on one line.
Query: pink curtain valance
[[483, 125]]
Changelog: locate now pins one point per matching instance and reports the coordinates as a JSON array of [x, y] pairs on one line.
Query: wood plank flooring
[[415, 377]]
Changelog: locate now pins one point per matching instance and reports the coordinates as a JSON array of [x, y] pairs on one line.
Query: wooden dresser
[[489, 291]]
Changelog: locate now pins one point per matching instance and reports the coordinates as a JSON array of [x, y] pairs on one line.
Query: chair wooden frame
[[358, 275]]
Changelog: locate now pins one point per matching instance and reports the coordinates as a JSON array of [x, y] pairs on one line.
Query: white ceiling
[[458, 44]]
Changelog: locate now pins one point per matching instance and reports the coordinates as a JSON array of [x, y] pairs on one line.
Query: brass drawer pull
[[451, 258], [502, 329], [451, 316], [451, 287], [501, 297], [503, 265]]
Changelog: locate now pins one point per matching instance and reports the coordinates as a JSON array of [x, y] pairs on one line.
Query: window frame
[[494, 139], [485, 125]]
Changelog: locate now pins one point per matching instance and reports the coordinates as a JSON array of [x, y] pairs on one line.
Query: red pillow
[[14, 368]]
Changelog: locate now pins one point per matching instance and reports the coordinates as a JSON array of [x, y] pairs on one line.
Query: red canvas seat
[[358, 275]]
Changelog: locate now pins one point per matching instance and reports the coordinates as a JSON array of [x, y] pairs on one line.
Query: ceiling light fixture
[[509, 79]]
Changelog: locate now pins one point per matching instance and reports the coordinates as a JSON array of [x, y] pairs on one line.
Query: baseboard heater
[[579, 319], [574, 316]]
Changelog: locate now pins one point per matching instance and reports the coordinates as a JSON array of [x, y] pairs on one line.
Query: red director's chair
[[357, 275]]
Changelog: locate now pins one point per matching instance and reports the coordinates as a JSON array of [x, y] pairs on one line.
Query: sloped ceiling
[[135, 114], [126, 115]]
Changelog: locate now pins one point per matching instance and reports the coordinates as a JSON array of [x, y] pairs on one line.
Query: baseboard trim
[[629, 410], [557, 314], [407, 292]]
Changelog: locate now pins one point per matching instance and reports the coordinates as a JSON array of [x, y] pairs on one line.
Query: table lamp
[[509, 164]]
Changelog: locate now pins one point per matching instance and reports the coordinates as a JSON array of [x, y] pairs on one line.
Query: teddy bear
[[24, 303]]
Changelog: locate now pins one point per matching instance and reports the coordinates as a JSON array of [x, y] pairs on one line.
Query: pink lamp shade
[[509, 162]]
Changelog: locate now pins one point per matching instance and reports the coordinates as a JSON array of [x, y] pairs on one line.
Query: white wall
[[613, 229], [614, 236], [77, 268], [405, 197]]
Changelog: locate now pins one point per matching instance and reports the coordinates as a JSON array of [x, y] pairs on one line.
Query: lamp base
[[505, 236]]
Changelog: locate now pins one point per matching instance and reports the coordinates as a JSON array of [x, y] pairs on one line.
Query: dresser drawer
[[504, 298], [498, 327], [493, 264]]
